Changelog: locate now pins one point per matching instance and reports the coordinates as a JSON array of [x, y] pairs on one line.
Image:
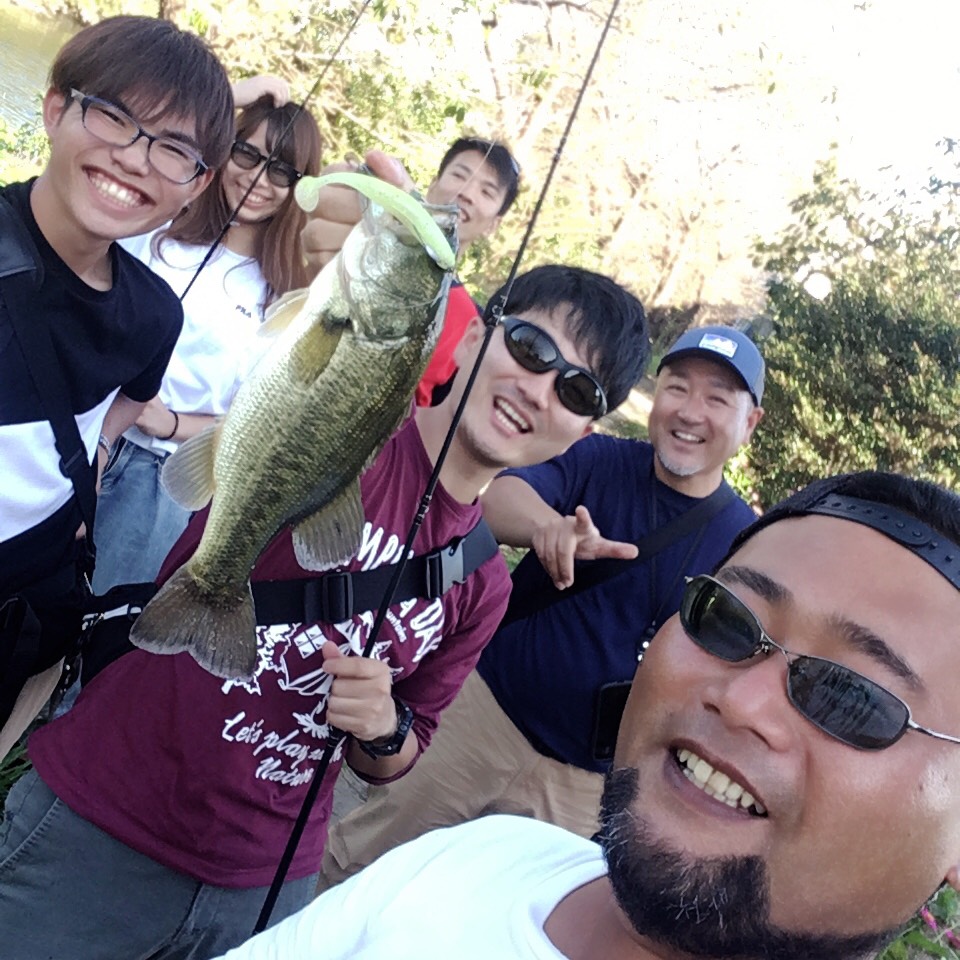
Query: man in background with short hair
[[481, 177]]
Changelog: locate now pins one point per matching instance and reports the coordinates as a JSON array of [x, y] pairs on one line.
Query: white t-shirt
[[221, 314], [477, 891]]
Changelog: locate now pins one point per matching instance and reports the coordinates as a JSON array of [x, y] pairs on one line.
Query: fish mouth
[[507, 414], [724, 786]]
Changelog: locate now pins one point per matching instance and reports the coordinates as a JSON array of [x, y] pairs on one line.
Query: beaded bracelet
[[176, 426]]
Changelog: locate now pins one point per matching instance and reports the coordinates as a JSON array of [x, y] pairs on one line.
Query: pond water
[[28, 44]]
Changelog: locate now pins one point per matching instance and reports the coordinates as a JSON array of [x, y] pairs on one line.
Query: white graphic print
[[290, 666]]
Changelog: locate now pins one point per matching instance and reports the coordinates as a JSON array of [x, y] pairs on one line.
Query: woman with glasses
[[257, 261]]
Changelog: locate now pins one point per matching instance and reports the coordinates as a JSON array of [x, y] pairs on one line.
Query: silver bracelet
[[105, 443]]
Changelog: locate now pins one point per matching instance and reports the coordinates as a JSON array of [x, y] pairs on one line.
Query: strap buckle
[[329, 598], [444, 568], [67, 467]]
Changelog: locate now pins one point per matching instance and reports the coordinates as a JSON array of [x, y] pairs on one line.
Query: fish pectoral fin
[[188, 473], [331, 536], [281, 313], [312, 351]]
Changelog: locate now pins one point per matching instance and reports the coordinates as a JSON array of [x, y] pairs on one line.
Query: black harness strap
[[331, 598], [337, 596]]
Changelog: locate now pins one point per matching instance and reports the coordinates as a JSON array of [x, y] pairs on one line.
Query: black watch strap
[[391, 747]]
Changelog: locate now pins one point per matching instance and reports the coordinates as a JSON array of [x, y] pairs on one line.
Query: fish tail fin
[[219, 634]]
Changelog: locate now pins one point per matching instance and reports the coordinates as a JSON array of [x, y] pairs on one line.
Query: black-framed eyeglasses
[[246, 156], [533, 348], [841, 702], [173, 159]]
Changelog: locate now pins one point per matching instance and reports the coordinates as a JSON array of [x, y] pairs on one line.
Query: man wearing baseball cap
[[615, 526]]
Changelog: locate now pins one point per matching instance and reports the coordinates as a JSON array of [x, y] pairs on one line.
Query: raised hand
[[562, 540]]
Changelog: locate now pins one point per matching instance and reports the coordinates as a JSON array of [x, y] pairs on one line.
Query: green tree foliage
[[867, 377]]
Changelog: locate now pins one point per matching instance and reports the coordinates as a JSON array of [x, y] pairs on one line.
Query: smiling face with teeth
[[92, 193], [513, 416], [717, 777], [701, 415]]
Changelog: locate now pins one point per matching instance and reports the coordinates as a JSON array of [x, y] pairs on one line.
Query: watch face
[[392, 746]]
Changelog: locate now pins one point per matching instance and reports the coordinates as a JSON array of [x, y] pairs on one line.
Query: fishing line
[[495, 313], [275, 150]]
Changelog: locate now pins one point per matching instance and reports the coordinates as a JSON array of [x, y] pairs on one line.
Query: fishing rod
[[494, 315], [275, 150]]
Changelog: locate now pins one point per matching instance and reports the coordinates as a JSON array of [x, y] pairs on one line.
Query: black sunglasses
[[246, 156], [534, 349], [838, 700]]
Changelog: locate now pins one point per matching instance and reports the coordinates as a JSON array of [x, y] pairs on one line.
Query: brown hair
[[278, 243], [152, 69]]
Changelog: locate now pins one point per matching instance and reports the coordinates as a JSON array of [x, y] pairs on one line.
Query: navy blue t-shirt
[[545, 670]]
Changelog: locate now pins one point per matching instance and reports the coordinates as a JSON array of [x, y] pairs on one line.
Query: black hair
[[152, 69], [277, 244], [933, 505], [605, 320], [498, 156]]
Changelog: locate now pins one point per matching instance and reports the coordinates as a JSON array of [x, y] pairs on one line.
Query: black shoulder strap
[[589, 573], [21, 274], [19, 651], [337, 596]]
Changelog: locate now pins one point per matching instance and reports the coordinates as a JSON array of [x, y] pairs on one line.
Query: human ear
[[55, 105], [753, 418], [468, 343], [199, 184]]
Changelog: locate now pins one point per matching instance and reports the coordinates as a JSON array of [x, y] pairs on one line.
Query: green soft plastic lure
[[404, 206]]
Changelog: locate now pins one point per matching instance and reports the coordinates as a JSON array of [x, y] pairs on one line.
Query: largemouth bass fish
[[315, 412]]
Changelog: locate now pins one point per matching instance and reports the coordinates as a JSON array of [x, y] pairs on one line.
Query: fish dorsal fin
[[313, 349], [281, 313], [331, 536], [188, 473]]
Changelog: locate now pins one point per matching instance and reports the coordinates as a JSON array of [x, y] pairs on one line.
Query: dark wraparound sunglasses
[[246, 156], [534, 349], [839, 701]]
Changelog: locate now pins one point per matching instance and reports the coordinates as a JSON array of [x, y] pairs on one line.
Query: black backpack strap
[[19, 651], [21, 274], [589, 573], [337, 596]]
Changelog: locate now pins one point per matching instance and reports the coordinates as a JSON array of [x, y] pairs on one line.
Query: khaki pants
[[477, 763], [35, 693]]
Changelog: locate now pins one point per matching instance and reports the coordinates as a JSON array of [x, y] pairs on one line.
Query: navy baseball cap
[[725, 345]]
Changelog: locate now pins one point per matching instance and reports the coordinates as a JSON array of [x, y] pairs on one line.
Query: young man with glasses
[[180, 789], [130, 146], [482, 178], [540, 748], [786, 782]]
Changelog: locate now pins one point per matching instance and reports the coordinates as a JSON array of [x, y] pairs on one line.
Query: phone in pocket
[[611, 698]]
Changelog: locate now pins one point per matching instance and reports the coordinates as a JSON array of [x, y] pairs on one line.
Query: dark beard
[[717, 907]]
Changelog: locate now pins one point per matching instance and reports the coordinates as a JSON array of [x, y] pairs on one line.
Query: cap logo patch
[[718, 344]]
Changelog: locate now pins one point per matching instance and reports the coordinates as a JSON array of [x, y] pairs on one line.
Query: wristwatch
[[390, 746]]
